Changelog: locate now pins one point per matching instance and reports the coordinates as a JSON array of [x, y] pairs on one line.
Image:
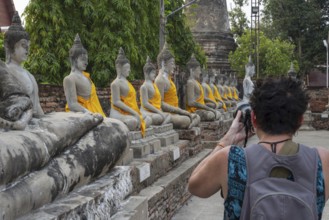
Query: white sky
[[21, 4]]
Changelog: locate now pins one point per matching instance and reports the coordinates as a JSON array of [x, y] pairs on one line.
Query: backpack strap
[[302, 165]]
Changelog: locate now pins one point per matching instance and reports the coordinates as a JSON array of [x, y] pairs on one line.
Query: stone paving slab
[[212, 208]]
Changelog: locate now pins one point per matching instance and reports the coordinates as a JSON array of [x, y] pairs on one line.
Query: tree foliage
[[238, 19], [2, 49], [275, 56], [104, 26], [180, 36], [305, 23]]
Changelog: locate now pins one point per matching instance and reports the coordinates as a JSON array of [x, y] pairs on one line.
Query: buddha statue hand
[[137, 116], [219, 105]]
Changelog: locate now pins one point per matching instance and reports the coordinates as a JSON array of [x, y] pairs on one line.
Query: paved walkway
[[212, 208]]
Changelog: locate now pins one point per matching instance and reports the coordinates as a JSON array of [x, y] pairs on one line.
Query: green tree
[[2, 49], [275, 56], [179, 35], [104, 26], [305, 23], [238, 19]]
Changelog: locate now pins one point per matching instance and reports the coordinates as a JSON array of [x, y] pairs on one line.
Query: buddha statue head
[[149, 70], [205, 76], [250, 68], [16, 41], [212, 76], [292, 72], [122, 64], [78, 55], [194, 68], [166, 60]]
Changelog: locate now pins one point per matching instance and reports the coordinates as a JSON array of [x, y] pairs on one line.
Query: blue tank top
[[237, 180]]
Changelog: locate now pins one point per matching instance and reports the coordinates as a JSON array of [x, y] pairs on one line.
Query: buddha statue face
[[170, 65], [250, 70], [196, 72], [125, 69], [152, 75], [21, 50], [205, 78], [82, 62]]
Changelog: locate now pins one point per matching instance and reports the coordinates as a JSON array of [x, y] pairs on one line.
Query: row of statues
[[207, 95]]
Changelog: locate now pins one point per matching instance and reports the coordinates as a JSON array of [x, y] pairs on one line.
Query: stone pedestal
[[143, 146], [192, 135]]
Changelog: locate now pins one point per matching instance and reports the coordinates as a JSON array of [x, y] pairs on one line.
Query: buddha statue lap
[[180, 118], [123, 98], [80, 91], [195, 94], [151, 97]]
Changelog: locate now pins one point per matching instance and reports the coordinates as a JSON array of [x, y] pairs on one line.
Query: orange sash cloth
[[170, 97], [92, 104], [218, 97], [200, 100], [155, 100], [210, 94], [235, 94], [130, 100], [230, 96]]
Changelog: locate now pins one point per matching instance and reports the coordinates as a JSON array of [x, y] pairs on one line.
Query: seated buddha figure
[[123, 97], [235, 91], [16, 43], [217, 95], [180, 118], [195, 94], [209, 96], [151, 97], [221, 89], [80, 91]]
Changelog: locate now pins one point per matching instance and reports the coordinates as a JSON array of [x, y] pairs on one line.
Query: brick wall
[[319, 99]]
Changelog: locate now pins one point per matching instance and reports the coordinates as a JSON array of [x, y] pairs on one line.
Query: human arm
[[202, 182], [324, 156]]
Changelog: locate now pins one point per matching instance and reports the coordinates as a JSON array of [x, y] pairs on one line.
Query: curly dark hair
[[279, 105]]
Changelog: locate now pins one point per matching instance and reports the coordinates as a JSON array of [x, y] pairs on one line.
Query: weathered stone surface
[[98, 200], [210, 27], [320, 121], [135, 209], [24, 151], [91, 157]]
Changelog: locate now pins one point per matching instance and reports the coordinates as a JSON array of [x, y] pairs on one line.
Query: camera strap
[[273, 144]]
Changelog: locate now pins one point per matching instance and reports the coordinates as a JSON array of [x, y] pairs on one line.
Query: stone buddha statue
[[180, 118], [231, 90], [195, 94], [292, 72], [209, 97], [151, 97], [16, 43], [234, 85], [248, 85], [123, 97], [80, 91], [222, 89], [212, 80]]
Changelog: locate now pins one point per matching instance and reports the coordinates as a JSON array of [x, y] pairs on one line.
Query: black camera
[[245, 118]]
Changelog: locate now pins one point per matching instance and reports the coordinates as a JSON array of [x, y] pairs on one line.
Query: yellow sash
[[155, 100], [130, 100], [170, 97], [235, 94], [218, 97], [92, 104], [230, 96], [210, 94], [200, 99]]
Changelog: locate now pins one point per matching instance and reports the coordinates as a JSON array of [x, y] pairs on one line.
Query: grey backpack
[[272, 198]]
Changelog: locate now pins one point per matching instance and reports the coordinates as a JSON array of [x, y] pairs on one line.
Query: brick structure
[[7, 9], [319, 99]]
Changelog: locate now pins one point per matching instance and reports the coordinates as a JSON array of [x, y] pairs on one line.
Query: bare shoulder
[[69, 79]]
